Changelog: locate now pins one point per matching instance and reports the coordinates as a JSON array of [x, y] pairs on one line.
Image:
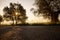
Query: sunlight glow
[[16, 13], [2, 14], [6, 22]]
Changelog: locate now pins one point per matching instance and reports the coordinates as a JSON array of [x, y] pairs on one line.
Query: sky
[[27, 4]]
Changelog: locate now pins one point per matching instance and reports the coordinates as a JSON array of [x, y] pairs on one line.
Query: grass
[[36, 24]]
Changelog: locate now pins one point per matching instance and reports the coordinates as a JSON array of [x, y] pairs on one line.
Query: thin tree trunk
[[13, 20], [16, 19], [54, 18]]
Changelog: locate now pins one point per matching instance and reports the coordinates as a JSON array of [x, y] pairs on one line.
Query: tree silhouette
[[1, 19], [50, 8], [15, 12]]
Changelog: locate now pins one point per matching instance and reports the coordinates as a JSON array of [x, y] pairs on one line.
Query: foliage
[[15, 12], [50, 8]]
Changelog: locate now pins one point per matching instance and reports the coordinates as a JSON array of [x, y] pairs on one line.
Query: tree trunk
[[16, 19], [54, 18], [13, 22]]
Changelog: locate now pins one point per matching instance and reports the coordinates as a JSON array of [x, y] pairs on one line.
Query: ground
[[30, 33]]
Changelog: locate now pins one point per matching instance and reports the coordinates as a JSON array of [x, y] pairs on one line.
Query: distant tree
[[15, 12], [1, 19], [50, 8]]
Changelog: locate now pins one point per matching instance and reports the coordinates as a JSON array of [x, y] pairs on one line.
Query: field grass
[[30, 33]]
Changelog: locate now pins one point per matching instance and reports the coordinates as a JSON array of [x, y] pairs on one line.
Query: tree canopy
[[50, 8], [15, 12]]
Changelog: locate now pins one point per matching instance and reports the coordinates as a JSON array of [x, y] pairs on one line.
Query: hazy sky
[[27, 4]]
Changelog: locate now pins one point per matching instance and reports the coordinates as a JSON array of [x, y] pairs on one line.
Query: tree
[[15, 12], [50, 8], [1, 19]]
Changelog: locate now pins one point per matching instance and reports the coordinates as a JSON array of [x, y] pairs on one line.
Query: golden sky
[[27, 4]]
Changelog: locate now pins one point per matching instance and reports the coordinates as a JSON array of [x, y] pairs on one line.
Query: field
[[29, 32]]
